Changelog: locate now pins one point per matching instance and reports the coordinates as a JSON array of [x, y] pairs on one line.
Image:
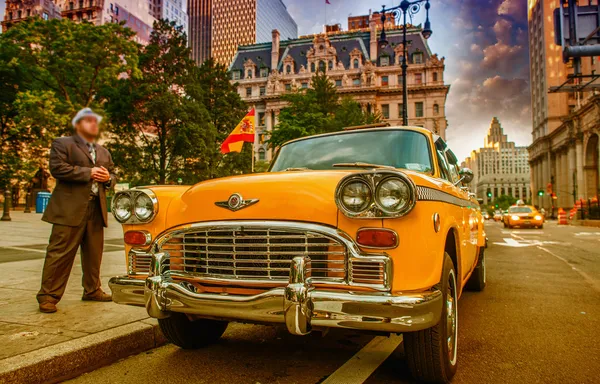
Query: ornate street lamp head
[[426, 32], [383, 43]]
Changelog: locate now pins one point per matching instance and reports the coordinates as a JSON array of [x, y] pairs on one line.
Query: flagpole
[[252, 157]]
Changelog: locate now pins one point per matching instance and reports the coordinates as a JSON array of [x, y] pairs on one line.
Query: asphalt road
[[538, 321], [38, 251]]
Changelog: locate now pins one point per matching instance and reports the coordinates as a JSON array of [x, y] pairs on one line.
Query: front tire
[[431, 353], [478, 277], [188, 334]]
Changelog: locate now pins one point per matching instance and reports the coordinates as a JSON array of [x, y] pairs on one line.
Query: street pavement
[[538, 321], [29, 337]]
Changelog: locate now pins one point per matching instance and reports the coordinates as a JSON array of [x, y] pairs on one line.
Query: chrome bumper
[[300, 306]]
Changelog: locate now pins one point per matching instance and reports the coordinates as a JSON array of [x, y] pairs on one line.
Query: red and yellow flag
[[243, 133]]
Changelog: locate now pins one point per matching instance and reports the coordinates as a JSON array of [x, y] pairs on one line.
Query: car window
[[443, 164], [396, 148], [520, 210]]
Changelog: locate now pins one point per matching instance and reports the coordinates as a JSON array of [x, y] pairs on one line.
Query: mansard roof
[[344, 43]]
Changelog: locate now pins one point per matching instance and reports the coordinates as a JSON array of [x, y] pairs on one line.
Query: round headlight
[[144, 207], [356, 196], [538, 217], [515, 217], [393, 195], [122, 207]]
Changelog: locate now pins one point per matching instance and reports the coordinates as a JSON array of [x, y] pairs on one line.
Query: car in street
[[486, 215], [523, 216], [498, 216], [370, 229]]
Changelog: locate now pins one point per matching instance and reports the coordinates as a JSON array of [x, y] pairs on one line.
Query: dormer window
[[355, 64], [236, 75], [249, 74], [264, 72], [384, 61], [288, 69], [418, 58], [312, 67]]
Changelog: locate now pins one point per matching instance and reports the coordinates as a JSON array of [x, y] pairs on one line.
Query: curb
[[66, 360]]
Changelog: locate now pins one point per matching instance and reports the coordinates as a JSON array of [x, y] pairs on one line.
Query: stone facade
[[18, 10], [564, 154], [358, 67], [500, 167]]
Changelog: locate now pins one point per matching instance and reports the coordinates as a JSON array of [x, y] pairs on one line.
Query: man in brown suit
[[77, 210]]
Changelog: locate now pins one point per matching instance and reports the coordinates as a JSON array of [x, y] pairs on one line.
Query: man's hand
[[100, 174]]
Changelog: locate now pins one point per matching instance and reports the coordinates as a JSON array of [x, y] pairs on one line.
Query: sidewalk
[[81, 335]]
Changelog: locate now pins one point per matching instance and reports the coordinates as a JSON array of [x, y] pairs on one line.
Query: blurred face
[[88, 128]]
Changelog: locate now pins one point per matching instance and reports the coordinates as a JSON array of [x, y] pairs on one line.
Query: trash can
[[41, 201]]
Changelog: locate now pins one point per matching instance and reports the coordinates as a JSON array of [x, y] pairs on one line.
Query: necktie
[[93, 154]]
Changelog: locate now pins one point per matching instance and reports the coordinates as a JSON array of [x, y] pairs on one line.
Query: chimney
[[275, 50], [373, 45]]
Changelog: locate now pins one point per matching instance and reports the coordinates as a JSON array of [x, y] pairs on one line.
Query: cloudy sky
[[487, 60], [486, 50]]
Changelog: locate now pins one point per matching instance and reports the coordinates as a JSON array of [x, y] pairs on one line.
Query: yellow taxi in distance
[[369, 229], [523, 216]]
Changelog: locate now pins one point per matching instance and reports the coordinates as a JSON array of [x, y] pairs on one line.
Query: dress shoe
[[99, 295], [47, 307]]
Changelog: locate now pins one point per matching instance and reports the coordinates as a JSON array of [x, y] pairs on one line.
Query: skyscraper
[[499, 167], [227, 24], [171, 10]]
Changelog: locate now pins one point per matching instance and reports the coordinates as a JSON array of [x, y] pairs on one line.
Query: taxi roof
[[368, 128]]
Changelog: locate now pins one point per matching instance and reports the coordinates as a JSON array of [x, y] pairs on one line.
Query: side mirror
[[466, 175]]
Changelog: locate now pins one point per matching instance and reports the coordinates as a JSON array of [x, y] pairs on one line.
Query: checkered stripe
[[431, 194]]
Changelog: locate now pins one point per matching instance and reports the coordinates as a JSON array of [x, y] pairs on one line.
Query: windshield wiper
[[299, 169], [362, 165]]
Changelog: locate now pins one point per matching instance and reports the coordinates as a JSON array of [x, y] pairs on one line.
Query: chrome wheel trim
[[452, 317]]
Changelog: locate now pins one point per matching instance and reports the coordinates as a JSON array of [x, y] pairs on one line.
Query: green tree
[[159, 127], [504, 202], [73, 61], [317, 110], [225, 110]]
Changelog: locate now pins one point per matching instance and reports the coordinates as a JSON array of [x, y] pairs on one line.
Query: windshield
[[395, 148], [520, 210]]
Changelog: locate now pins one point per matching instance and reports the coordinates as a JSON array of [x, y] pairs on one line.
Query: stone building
[[19, 10], [564, 154], [357, 65], [499, 167]]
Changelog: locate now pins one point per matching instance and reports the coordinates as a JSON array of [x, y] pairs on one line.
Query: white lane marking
[[595, 284], [25, 249], [523, 232], [508, 242], [587, 234], [362, 365]]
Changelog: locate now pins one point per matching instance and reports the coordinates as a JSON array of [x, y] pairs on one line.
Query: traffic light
[[496, 205], [489, 194], [541, 192]]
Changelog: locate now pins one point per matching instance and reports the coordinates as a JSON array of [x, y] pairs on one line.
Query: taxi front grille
[[254, 253]]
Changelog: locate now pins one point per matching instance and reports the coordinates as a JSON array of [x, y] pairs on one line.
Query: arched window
[[355, 64], [435, 76], [330, 65], [436, 109], [249, 74], [288, 69], [312, 67], [262, 156], [322, 66]]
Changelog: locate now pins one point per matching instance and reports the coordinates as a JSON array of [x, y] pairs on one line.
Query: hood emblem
[[236, 202]]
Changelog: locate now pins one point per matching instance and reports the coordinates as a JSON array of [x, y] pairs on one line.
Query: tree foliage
[[316, 110], [157, 126], [49, 70]]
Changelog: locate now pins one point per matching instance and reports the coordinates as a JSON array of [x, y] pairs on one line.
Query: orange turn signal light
[[377, 238], [137, 237]]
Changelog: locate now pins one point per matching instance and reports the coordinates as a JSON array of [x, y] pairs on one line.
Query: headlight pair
[[376, 194], [135, 206]]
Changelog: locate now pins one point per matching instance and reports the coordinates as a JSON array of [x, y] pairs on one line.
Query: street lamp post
[[406, 8]]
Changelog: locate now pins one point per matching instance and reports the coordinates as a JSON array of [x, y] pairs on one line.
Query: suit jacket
[[71, 164]]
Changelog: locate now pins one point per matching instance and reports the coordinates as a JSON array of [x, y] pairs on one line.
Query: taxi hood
[[292, 196]]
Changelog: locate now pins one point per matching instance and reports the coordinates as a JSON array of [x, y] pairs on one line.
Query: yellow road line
[[362, 365]]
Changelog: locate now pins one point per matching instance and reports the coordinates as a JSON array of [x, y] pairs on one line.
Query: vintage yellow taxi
[[523, 216], [368, 229]]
